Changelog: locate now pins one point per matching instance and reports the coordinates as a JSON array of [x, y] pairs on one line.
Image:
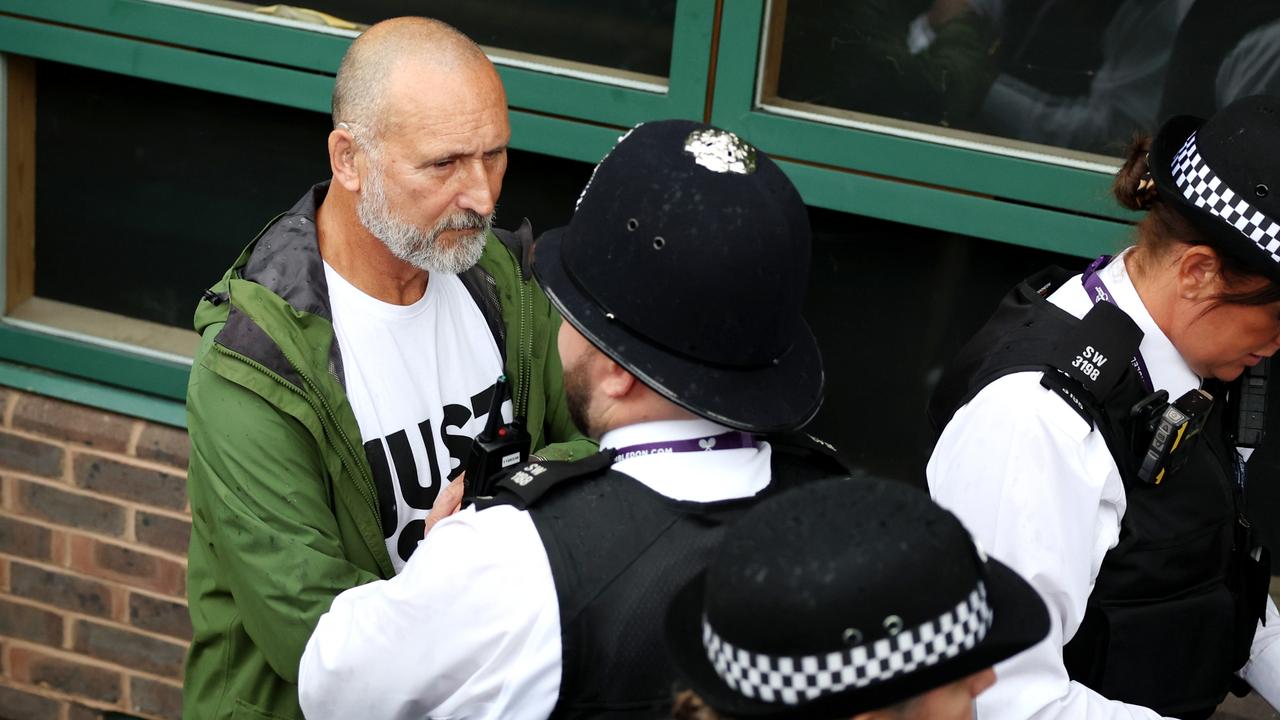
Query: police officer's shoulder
[[524, 486], [811, 450], [1092, 358]]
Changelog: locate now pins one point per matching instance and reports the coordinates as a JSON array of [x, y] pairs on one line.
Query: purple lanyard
[[732, 440], [1098, 292]]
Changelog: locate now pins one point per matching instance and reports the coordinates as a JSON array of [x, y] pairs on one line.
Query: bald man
[[349, 356]]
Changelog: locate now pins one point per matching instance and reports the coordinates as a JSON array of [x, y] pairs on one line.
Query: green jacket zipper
[[524, 345], [328, 414]]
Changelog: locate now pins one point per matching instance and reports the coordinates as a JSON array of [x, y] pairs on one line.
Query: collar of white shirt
[[1168, 370], [704, 476]]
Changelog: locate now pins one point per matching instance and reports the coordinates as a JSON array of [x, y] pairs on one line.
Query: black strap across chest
[[618, 551]]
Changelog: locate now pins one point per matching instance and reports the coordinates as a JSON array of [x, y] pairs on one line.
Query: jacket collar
[[285, 261], [286, 257]]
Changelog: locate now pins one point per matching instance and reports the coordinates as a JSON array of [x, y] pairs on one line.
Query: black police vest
[[618, 552], [1169, 619]]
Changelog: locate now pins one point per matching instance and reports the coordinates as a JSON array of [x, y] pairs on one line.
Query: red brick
[[129, 649], [18, 705], [6, 396], [75, 423], [72, 678], [161, 616], [80, 712], [24, 622], [163, 532], [25, 539], [67, 508], [155, 699], [128, 566], [30, 456], [163, 444], [77, 594], [130, 482]]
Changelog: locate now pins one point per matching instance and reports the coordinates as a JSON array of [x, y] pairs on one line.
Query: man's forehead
[[462, 106]]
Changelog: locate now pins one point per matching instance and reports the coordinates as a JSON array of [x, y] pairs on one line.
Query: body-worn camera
[[498, 447], [1172, 427]]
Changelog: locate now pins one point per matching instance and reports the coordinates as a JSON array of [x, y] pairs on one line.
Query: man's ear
[[1199, 273], [343, 153], [615, 381]]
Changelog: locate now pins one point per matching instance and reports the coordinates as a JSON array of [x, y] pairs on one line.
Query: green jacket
[[283, 504]]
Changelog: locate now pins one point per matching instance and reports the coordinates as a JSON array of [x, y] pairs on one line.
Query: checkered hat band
[[1205, 189], [794, 679]]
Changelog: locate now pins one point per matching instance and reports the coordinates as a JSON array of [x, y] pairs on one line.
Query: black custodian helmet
[[1223, 175], [687, 261]]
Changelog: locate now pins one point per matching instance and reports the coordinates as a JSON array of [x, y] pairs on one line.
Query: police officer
[[890, 611], [681, 278], [1091, 430]]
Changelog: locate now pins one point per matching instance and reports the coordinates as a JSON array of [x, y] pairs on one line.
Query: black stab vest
[[618, 553], [1167, 622]]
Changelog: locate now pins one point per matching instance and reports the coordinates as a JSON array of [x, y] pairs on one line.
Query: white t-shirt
[[420, 380]]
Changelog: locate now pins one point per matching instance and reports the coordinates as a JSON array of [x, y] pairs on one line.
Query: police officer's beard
[[412, 244], [577, 396]]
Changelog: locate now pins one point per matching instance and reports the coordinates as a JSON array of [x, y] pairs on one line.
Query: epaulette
[[812, 448], [523, 486], [1093, 358]]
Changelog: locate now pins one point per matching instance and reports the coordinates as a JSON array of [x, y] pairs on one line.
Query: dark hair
[[1164, 227], [688, 706]]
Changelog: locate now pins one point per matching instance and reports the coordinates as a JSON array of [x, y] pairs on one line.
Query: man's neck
[[651, 409], [362, 259]]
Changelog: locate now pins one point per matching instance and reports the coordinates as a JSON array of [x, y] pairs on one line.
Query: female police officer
[[1090, 437]]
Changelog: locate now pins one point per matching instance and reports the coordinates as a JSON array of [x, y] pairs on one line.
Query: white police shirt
[[1040, 492], [471, 627]]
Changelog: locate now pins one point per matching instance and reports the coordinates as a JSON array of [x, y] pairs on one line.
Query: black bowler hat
[[686, 261], [1223, 174], [845, 596]]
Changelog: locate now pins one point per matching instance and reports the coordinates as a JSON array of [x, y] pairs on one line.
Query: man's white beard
[[422, 249]]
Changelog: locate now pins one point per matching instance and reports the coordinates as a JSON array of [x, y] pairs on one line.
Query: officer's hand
[[448, 502]]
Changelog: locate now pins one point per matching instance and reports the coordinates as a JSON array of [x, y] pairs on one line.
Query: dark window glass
[[888, 321], [146, 192], [1078, 74], [632, 35]]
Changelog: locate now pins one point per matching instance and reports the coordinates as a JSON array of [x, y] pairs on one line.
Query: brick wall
[[93, 540]]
